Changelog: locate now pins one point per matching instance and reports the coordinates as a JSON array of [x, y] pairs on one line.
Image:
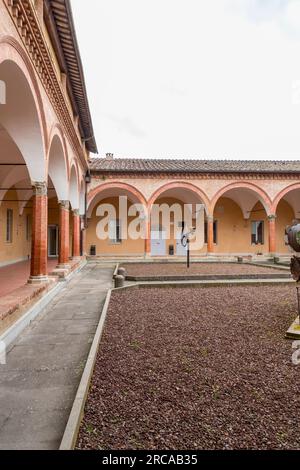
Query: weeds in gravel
[[135, 344], [204, 352], [90, 429], [282, 437], [215, 392]]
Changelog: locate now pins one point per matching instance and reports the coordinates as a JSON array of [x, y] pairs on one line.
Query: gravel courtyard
[[203, 368], [177, 269]]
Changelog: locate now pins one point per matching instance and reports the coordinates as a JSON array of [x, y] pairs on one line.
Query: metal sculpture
[[292, 234]]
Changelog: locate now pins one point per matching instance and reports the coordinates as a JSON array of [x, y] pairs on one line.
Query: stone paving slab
[[44, 366]]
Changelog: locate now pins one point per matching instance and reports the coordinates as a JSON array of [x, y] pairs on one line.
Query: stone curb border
[[213, 283], [208, 277], [72, 428], [13, 332], [279, 266]]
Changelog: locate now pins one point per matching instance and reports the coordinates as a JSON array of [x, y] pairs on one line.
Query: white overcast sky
[[193, 78]]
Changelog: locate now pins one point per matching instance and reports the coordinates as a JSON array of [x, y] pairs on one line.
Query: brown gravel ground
[[169, 269], [190, 368]]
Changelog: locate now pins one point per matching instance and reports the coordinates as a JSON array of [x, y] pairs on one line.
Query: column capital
[[40, 188], [272, 217], [76, 212], [64, 205], [210, 218]]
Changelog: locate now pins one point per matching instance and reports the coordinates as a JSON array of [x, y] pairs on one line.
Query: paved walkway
[[16, 275], [44, 367]]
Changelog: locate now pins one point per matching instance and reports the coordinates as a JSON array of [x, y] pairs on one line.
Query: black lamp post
[[185, 241]]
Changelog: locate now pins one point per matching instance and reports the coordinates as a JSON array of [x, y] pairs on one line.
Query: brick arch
[[283, 193], [116, 185], [57, 130], [261, 194], [175, 185], [58, 163], [74, 186], [12, 51]]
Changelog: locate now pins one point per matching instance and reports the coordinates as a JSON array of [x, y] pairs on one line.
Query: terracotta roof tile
[[139, 165]]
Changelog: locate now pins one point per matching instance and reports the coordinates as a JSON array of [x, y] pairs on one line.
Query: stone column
[[64, 234], [272, 234], [76, 234], [210, 234], [39, 244]]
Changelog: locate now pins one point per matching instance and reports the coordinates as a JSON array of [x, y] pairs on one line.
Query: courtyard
[[202, 368], [125, 157]]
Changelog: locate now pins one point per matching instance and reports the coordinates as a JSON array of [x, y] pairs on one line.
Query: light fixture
[[88, 177]]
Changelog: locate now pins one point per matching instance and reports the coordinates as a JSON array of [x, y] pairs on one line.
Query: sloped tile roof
[[61, 28], [139, 165]]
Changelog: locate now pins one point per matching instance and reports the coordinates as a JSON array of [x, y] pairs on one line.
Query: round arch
[[95, 195], [57, 164], [284, 192], [179, 185], [253, 189], [74, 187], [23, 114]]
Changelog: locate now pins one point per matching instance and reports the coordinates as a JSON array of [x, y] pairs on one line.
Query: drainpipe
[[87, 181]]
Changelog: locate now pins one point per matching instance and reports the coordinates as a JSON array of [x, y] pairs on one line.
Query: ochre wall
[[20, 248], [172, 239], [233, 233], [106, 247]]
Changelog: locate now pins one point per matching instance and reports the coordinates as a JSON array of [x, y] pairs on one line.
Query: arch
[[262, 196], [57, 130], [93, 196], [74, 188], [57, 161], [23, 115], [284, 192], [175, 185]]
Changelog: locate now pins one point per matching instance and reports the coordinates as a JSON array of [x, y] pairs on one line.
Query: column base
[[76, 258], [38, 279], [63, 266]]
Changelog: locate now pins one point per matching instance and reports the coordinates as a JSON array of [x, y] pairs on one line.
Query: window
[[215, 230], [115, 235], [28, 227], [257, 232], [9, 225]]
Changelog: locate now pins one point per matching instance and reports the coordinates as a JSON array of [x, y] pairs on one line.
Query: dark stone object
[[119, 281]]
